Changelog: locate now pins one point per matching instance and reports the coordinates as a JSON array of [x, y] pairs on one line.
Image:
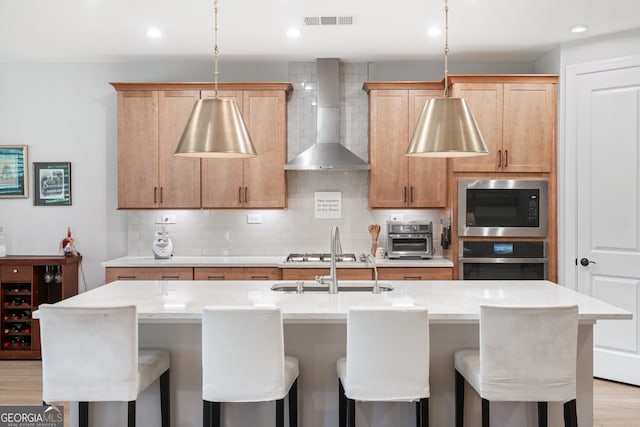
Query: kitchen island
[[315, 331]]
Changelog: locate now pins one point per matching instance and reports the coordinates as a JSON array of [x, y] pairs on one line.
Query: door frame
[[567, 155]]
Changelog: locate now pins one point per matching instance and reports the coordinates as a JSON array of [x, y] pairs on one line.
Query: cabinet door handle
[[506, 158], [412, 277], [163, 277], [215, 277], [259, 277], [246, 196], [404, 195], [14, 271], [499, 158], [240, 195], [126, 277], [411, 194], [161, 188], [155, 194]]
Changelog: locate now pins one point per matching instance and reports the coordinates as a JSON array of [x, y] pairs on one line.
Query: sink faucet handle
[[321, 279]]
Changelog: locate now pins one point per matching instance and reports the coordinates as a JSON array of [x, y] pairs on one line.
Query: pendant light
[[215, 128], [446, 127]]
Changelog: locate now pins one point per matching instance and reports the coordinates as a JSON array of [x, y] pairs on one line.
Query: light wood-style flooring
[[615, 404]]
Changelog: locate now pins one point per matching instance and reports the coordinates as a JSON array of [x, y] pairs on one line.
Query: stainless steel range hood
[[327, 153]]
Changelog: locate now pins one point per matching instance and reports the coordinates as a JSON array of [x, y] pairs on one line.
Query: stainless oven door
[[504, 268]]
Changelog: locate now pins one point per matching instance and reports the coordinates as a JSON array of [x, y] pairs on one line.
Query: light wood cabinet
[[237, 273], [415, 273], [151, 118], [148, 273], [258, 182], [150, 124], [517, 117], [395, 180], [311, 273]]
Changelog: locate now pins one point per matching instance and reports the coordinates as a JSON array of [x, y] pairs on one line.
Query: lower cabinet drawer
[[415, 273], [148, 273], [311, 273], [237, 273], [16, 273]]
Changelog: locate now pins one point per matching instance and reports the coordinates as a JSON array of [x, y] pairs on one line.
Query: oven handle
[[504, 260]]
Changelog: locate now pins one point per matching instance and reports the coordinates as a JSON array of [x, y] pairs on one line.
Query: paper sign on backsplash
[[328, 204]]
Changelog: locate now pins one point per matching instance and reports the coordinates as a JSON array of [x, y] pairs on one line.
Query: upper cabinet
[[151, 118], [517, 117], [258, 182], [395, 180]]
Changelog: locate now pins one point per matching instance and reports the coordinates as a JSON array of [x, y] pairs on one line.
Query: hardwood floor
[[615, 404]]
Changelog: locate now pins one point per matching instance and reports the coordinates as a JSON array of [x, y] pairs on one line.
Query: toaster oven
[[409, 239]]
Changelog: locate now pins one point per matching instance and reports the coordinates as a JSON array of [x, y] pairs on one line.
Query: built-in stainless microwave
[[502, 207]]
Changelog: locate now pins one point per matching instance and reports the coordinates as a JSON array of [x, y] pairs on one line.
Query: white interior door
[[607, 127]]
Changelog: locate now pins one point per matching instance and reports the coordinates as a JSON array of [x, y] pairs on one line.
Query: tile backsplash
[[227, 232]]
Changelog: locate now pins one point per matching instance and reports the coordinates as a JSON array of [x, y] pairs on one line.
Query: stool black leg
[[459, 391], [83, 414], [571, 414], [542, 414], [342, 406], [293, 404], [422, 412], [351, 412], [280, 413], [485, 413], [206, 413], [131, 413], [165, 399]]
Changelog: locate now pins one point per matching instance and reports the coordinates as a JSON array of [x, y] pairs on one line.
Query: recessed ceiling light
[[578, 28], [434, 32], [154, 33], [293, 33]]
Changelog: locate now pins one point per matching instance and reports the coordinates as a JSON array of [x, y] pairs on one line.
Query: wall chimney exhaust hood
[[327, 153]]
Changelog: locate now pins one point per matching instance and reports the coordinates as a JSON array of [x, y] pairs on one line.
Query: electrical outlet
[[168, 219], [396, 217], [254, 219]]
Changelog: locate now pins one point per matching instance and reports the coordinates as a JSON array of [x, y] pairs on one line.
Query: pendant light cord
[[446, 48], [215, 48]]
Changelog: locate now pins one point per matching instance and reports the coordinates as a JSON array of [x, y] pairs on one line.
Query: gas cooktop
[[320, 257]]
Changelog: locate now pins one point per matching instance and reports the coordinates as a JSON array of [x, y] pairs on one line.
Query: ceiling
[[114, 30]]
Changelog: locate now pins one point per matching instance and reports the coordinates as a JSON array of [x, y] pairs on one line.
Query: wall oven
[[502, 208], [501, 260]]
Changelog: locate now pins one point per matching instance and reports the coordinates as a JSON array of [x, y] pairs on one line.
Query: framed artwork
[[52, 183], [14, 171]]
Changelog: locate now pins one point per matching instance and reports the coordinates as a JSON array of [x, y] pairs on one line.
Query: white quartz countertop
[[447, 301], [263, 261]]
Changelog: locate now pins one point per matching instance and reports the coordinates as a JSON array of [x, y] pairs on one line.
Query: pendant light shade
[[447, 128], [215, 129]]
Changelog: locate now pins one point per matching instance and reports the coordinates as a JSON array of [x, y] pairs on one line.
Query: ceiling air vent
[[328, 20]]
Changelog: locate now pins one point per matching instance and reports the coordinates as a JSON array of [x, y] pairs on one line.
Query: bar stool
[[92, 355], [243, 361], [527, 354], [387, 360]]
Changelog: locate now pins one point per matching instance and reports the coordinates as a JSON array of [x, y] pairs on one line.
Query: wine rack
[[25, 283]]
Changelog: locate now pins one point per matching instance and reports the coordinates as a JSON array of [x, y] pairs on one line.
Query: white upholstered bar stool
[[527, 354], [92, 355], [243, 360], [387, 360]]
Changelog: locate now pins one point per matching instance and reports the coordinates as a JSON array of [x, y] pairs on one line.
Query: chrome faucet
[[336, 248], [372, 261]]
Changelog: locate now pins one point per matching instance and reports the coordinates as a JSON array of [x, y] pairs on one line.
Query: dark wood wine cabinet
[[25, 283]]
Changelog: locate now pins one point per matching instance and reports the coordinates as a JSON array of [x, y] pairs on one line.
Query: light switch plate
[[396, 217], [254, 219], [168, 219]]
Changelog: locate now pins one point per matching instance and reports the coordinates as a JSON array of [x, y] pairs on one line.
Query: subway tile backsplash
[[226, 232]]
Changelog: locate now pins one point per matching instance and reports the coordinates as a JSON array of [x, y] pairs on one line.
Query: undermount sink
[[343, 286]]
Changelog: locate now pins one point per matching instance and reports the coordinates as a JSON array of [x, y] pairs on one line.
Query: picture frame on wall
[[14, 171], [52, 183]]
